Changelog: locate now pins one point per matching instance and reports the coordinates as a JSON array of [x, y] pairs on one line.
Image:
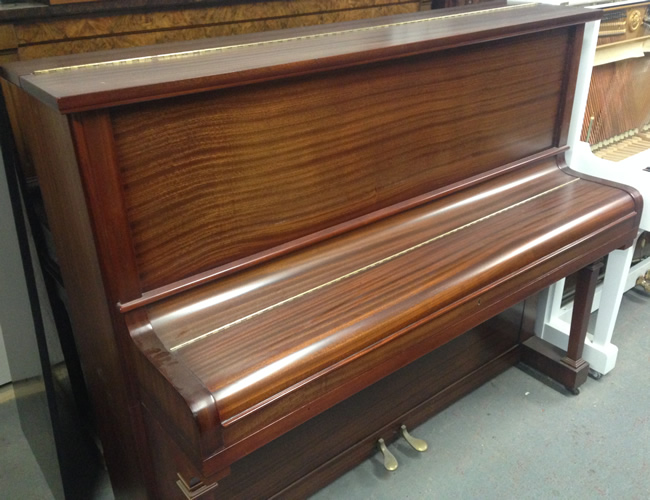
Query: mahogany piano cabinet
[[277, 246]]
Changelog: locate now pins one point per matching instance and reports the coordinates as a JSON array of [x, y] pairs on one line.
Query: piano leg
[[553, 318], [614, 286], [568, 368]]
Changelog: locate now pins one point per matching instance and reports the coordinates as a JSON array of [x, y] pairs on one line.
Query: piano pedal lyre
[[390, 462], [416, 443]]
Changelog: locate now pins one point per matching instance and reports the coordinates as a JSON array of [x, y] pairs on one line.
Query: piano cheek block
[[275, 259]]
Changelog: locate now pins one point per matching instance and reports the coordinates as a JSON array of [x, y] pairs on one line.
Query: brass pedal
[[390, 462], [416, 443], [644, 282]]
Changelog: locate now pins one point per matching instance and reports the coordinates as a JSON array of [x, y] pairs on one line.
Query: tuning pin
[[416, 444], [390, 462]]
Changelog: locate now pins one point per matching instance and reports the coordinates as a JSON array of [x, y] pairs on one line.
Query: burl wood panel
[[125, 23], [246, 172], [8, 38], [102, 32]]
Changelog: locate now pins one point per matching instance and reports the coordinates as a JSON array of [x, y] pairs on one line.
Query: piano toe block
[[550, 361]]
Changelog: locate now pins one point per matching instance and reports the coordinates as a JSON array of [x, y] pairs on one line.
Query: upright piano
[[281, 248]]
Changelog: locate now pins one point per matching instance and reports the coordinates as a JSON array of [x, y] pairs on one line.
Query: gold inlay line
[[197, 52], [364, 268]]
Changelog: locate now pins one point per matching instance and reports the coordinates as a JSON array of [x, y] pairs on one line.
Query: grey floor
[[516, 437]]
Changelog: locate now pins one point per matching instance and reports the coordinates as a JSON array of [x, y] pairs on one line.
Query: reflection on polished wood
[[324, 236]]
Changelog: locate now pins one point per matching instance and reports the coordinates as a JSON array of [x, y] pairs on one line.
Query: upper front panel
[[219, 176]]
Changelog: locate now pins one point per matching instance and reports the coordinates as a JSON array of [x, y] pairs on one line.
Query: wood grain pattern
[[348, 382], [84, 27], [182, 318], [27, 66], [255, 62], [256, 179], [574, 47], [258, 369], [232, 267], [13, 98], [409, 396], [180, 32], [8, 38], [452, 131], [194, 424], [90, 312], [152, 20], [98, 167], [7, 58]]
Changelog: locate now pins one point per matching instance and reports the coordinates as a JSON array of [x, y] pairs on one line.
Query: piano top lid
[[103, 79]]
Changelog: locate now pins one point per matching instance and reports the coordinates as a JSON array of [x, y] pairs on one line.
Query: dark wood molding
[[568, 90], [93, 137], [60, 91]]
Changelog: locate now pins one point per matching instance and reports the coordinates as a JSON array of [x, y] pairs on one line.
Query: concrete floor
[[518, 436]]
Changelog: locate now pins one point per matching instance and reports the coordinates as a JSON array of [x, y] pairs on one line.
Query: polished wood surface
[[234, 204], [245, 336], [280, 229], [253, 61], [38, 30], [567, 368], [47, 142], [51, 37], [329, 444]]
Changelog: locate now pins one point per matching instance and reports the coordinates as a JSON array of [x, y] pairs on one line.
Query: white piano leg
[[549, 309], [618, 268], [553, 320]]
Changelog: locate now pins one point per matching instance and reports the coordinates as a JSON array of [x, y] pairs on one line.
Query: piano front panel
[[213, 178]]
